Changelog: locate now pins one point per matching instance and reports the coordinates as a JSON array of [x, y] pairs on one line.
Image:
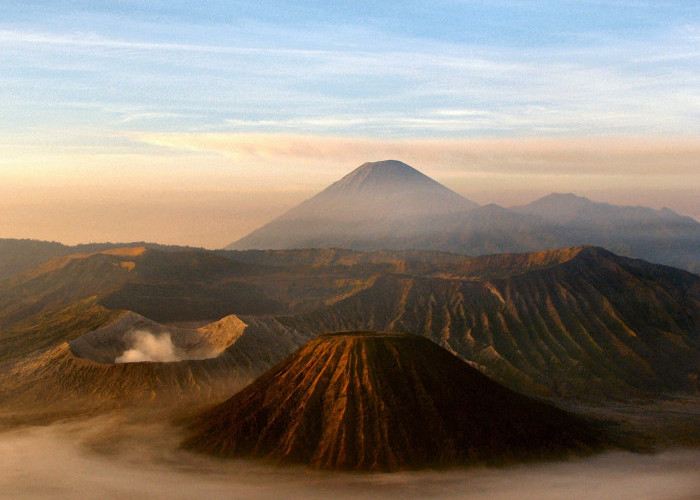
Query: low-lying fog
[[115, 458]]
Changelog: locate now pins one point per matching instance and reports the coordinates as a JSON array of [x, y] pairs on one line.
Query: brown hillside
[[595, 325], [578, 322], [58, 380], [83, 373], [377, 401]]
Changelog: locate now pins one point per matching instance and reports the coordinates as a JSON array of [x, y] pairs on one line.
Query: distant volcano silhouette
[[388, 205], [374, 200], [384, 402], [383, 177]]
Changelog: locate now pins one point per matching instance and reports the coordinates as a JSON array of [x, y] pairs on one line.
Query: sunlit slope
[[20, 255], [370, 401], [592, 325], [72, 294]]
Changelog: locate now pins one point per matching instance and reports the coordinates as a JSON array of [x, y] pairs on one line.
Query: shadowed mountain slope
[[21, 255], [582, 322], [371, 401], [657, 235]]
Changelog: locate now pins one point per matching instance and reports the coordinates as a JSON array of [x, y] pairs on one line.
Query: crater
[[135, 338]]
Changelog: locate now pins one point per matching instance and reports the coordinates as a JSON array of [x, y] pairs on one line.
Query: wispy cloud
[[386, 88], [557, 156], [93, 40]]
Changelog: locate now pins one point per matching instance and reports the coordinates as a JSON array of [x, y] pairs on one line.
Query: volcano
[[376, 201], [388, 205], [384, 402]]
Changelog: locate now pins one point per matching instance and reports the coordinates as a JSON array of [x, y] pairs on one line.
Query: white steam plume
[[149, 347]]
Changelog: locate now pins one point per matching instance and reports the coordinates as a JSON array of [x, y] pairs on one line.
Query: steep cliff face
[[592, 325], [374, 401]]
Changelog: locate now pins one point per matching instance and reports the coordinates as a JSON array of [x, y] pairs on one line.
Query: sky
[[195, 122]]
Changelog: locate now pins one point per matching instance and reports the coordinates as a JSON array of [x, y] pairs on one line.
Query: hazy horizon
[[212, 216], [195, 124]]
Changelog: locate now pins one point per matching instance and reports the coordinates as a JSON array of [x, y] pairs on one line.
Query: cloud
[[366, 82], [90, 40], [539, 155]]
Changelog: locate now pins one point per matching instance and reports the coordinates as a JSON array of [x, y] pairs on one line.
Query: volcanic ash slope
[[384, 402]]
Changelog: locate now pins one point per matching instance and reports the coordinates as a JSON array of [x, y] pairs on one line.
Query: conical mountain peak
[[390, 178], [387, 173], [378, 401], [375, 205]]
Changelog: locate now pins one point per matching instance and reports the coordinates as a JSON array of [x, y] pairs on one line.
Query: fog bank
[[115, 458]]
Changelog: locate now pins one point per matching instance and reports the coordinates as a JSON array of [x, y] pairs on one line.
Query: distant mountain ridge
[[19, 255], [568, 207], [389, 205]]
